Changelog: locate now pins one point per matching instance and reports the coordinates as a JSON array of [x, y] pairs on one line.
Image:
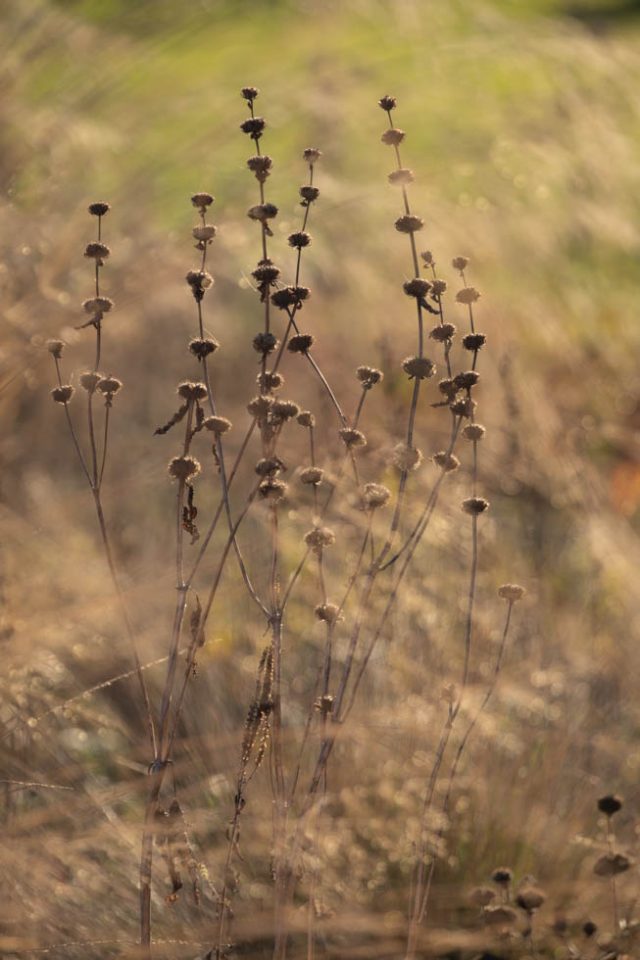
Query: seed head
[[260, 166], [269, 466], [89, 380], [589, 928], [250, 93], [448, 388], [109, 386], [266, 272], [417, 288], [503, 876], [290, 297], [328, 612], [474, 341], [409, 224], [63, 394], [511, 592], [474, 506], [375, 495], [260, 407], [393, 137], [301, 343], [253, 126], [352, 438], [369, 376], [283, 410], [466, 380], [217, 425], [387, 103], [204, 233], [446, 461], [401, 177], [611, 864], [272, 489], [192, 391], [263, 212], [406, 458], [473, 431], [264, 343], [202, 348], [427, 258], [97, 251], [319, 538], [269, 380], [419, 367], [201, 201], [97, 305], [443, 332], [99, 209], [184, 468], [300, 239], [467, 295], [312, 475], [306, 419], [460, 263], [55, 348], [311, 155], [463, 406], [309, 194], [438, 287], [530, 899], [199, 281], [610, 804]]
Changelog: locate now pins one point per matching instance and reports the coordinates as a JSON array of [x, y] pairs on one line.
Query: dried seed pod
[[265, 343], [511, 592], [393, 137], [260, 166], [270, 380], [199, 281], [269, 466], [311, 155], [473, 432], [474, 506], [438, 287], [89, 380], [467, 295], [446, 461], [409, 223], [369, 376], [328, 612], [260, 407], [290, 297], [97, 251], [99, 209], [418, 287], [420, 368], [192, 391], [611, 864], [375, 495], [309, 194], [306, 419], [312, 475], [610, 804], [204, 233], [474, 341], [387, 103], [301, 343], [319, 538], [284, 410], [97, 305], [55, 348], [253, 126], [202, 201], [466, 380], [299, 239], [352, 438], [273, 490], [443, 332], [530, 899], [203, 347], [63, 394], [463, 406], [406, 458], [184, 468], [503, 876], [250, 93], [109, 386], [460, 263], [402, 177], [217, 425]]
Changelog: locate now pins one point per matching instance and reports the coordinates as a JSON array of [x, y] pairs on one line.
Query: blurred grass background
[[524, 134]]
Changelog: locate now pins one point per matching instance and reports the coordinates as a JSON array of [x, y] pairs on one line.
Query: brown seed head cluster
[[319, 538], [420, 368], [511, 592], [369, 376], [375, 495], [184, 468], [352, 438]]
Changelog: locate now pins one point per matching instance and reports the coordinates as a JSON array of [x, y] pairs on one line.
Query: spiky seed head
[[473, 432], [312, 476], [55, 348], [387, 103], [369, 376], [530, 899], [446, 461], [301, 343], [265, 343], [503, 876], [511, 592], [448, 388], [184, 468], [467, 295], [89, 380], [192, 391], [199, 281], [427, 258], [420, 368], [393, 137], [260, 166], [202, 200], [311, 155], [466, 380], [262, 212], [97, 251], [109, 386], [266, 272], [99, 209], [418, 287], [63, 394], [300, 239], [460, 263], [306, 419], [375, 495], [217, 425], [319, 538], [610, 804], [474, 341], [328, 612], [284, 410], [309, 194], [253, 126], [270, 380], [352, 438], [406, 458], [401, 177], [443, 332], [409, 223], [269, 466], [273, 490], [250, 93], [474, 506], [97, 305], [260, 407], [203, 347], [204, 233], [290, 297], [438, 287], [463, 406]]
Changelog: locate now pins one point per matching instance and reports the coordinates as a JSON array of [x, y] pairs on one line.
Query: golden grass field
[[523, 131]]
